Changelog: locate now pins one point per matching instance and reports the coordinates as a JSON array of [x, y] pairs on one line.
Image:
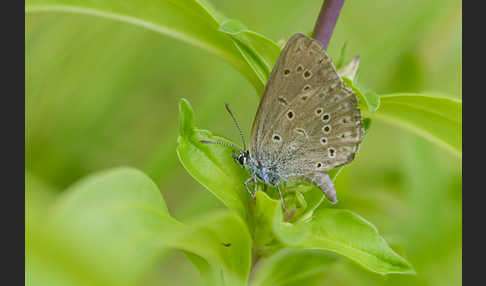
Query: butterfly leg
[[281, 198], [246, 186], [255, 185]]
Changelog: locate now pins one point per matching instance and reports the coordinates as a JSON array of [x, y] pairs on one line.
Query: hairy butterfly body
[[307, 121]]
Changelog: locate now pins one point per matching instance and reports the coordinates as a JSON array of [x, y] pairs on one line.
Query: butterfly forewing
[[307, 120]]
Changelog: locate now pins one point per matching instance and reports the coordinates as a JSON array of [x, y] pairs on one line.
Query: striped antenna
[[221, 143], [237, 125]]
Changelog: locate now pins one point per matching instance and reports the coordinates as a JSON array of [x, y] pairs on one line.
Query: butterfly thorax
[[267, 174]]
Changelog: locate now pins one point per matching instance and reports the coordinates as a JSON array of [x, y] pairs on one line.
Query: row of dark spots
[[307, 73]]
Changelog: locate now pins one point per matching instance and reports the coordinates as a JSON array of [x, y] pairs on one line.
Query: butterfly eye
[[286, 71], [319, 111], [307, 87], [307, 74], [324, 141], [242, 159], [300, 68]]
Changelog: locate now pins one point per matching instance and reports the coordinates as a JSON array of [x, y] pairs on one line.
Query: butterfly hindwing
[[307, 120]]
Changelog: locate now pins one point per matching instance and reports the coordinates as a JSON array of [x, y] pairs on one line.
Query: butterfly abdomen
[[324, 182]]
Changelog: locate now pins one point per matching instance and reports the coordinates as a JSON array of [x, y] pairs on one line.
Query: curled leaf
[[211, 165], [259, 52]]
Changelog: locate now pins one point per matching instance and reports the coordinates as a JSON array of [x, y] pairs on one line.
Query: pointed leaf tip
[[347, 234], [186, 118], [351, 69]]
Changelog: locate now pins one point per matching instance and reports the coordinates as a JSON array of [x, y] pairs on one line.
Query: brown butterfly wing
[[307, 120]]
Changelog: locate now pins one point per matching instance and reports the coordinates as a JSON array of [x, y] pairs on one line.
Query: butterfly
[[307, 122]]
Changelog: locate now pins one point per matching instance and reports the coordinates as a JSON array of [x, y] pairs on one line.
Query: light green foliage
[[339, 231], [109, 228], [212, 167], [103, 82], [191, 21], [349, 235], [436, 118], [259, 52], [293, 267]]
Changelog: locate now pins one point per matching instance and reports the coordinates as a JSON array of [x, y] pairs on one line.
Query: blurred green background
[[102, 93]]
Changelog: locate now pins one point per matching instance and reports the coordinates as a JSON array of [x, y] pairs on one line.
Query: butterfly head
[[242, 158]]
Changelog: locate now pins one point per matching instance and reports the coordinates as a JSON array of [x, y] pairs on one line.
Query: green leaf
[[293, 267], [371, 99], [346, 234], [192, 21], [38, 196], [220, 246], [265, 209], [436, 118], [108, 220], [260, 52], [211, 165], [339, 231], [98, 227]]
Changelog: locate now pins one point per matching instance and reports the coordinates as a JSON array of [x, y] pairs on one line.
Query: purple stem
[[327, 21]]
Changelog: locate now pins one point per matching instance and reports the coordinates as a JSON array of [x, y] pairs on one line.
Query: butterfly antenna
[[237, 125], [221, 143]]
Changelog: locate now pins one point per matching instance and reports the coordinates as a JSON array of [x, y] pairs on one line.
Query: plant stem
[[327, 21]]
